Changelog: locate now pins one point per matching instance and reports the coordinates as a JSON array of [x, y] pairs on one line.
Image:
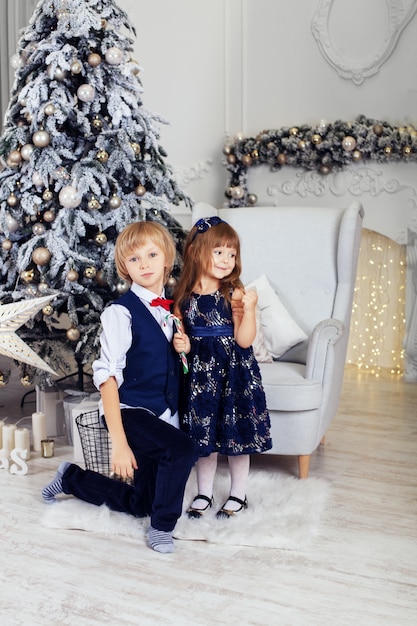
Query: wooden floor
[[361, 569]]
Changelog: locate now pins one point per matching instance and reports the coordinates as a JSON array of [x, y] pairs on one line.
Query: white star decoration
[[12, 316]]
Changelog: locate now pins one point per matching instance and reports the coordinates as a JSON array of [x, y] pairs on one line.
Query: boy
[[137, 374]]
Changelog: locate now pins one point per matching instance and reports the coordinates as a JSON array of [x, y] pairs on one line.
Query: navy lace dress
[[224, 408]]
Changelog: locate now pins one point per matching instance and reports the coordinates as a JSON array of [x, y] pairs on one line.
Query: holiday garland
[[325, 148]]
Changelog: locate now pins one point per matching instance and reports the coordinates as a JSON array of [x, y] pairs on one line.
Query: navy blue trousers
[[165, 456]]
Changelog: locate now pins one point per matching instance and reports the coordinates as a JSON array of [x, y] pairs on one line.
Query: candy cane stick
[[177, 323]]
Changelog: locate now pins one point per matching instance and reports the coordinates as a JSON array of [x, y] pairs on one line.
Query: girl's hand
[[249, 300], [123, 461], [181, 343]]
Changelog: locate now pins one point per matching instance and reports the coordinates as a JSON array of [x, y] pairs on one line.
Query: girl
[[225, 410], [138, 377]]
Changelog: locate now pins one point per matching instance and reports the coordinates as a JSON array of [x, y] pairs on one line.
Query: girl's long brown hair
[[197, 256]]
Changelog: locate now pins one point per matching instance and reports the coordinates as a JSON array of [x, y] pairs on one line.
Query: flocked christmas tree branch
[[325, 148], [81, 159]]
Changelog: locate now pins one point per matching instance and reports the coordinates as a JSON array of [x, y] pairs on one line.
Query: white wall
[[215, 68], [218, 67]]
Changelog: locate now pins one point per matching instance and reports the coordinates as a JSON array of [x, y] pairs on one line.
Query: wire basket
[[95, 442]]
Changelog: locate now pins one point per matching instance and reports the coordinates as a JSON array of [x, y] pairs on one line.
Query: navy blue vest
[[152, 374]]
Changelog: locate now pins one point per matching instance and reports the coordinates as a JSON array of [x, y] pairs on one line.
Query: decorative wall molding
[[400, 13], [186, 175], [355, 181]]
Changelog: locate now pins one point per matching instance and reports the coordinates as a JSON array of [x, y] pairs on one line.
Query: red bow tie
[[164, 302]]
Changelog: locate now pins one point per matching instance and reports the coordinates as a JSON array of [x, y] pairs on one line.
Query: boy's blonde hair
[[137, 235]]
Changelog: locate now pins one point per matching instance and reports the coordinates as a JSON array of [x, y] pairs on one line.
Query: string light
[[378, 313]]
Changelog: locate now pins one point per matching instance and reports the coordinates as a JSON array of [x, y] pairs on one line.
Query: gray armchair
[[309, 257]]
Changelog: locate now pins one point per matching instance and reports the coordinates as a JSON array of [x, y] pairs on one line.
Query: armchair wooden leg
[[303, 465]]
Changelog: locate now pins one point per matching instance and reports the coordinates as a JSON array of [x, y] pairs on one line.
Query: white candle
[[38, 429], [1, 433], [22, 440], [8, 436]]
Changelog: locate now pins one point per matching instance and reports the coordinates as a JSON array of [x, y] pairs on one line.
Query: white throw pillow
[[281, 332], [259, 348]]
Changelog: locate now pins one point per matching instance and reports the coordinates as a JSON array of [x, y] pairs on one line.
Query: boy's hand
[[123, 462], [181, 343]]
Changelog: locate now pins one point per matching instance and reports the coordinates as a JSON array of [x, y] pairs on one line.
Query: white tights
[[239, 472]]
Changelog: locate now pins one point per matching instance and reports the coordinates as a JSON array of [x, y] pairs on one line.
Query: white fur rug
[[283, 512]]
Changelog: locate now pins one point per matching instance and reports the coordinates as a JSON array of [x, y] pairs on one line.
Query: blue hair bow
[[205, 223]]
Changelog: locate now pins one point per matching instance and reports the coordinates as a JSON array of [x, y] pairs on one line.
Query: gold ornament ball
[[356, 155], [302, 144], [378, 129], [316, 139], [115, 201], [48, 310], [100, 239], [101, 279], [172, 281], [6, 245], [27, 276], [246, 160], [252, 199], [41, 256], [97, 124], [76, 67], [73, 334], [294, 131], [102, 156], [388, 150], [94, 204], [103, 22], [49, 216], [140, 190], [227, 150], [94, 59], [406, 151], [72, 275], [47, 195], [15, 157], [41, 138], [281, 158], [237, 192], [49, 109], [4, 378], [325, 170], [90, 272], [12, 200], [254, 154], [136, 148], [231, 159], [26, 381]]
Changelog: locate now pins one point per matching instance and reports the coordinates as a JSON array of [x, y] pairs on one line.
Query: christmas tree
[[80, 160]]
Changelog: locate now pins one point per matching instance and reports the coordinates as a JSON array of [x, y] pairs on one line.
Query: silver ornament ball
[[86, 93], [114, 56], [41, 138], [26, 151], [69, 198]]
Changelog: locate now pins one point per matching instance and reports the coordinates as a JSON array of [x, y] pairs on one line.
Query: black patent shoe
[[224, 513], [194, 513]]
